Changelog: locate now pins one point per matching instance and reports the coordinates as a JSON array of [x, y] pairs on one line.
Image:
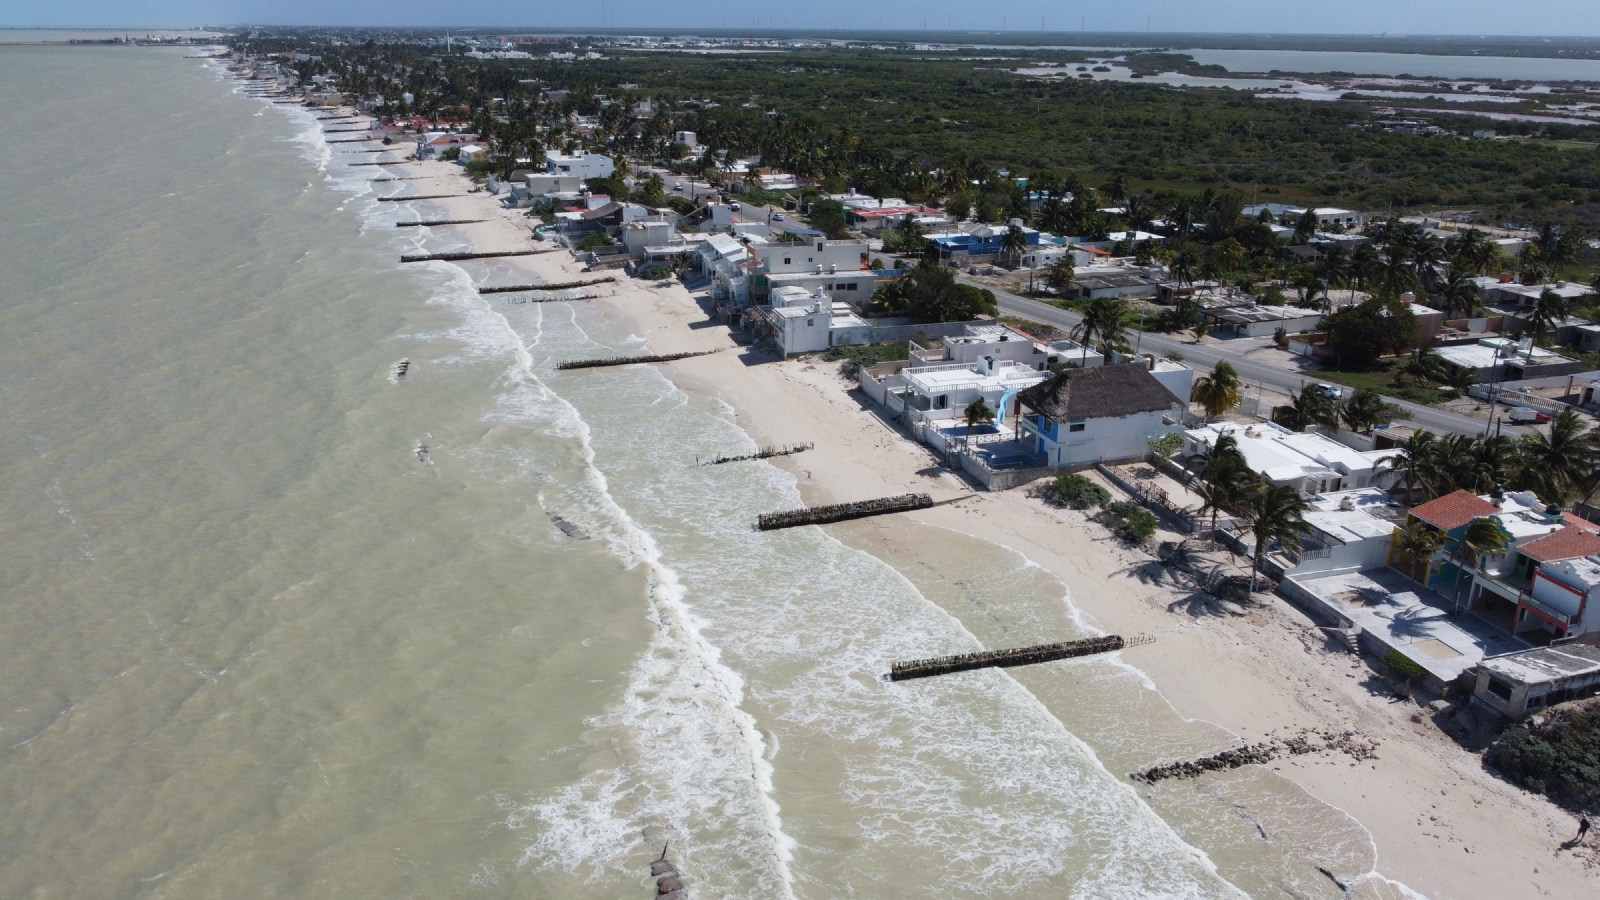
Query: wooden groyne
[[399, 162], [761, 453], [403, 199], [465, 254], [841, 512], [669, 882], [559, 286], [629, 360], [352, 140], [344, 130], [378, 150], [1016, 656], [402, 177], [436, 221]]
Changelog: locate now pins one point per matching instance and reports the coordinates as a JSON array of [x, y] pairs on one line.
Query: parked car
[[734, 206], [777, 217], [1328, 390]]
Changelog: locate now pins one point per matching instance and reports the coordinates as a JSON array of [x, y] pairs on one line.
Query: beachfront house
[[1106, 413], [583, 164], [1519, 684], [837, 267], [1308, 462]]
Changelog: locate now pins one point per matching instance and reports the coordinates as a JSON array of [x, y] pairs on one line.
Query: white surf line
[[636, 546]]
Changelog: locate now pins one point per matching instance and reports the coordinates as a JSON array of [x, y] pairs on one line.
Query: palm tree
[[1483, 537], [1274, 513], [1230, 254], [1308, 408], [1458, 291], [1366, 410], [1183, 266], [1549, 315], [1336, 266], [1117, 187], [978, 412], [1423, 366], [1414, 457], [1365, 265], [1225, 478], [1217, 392], [1014, 244], [1052, 215], [1419, 541], [1105, 320], [1553, 466]]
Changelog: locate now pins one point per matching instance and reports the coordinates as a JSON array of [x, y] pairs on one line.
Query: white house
[[1310, 463], [470, 153], [808, 323], [1105, 413], [944, 391], [583, 164]]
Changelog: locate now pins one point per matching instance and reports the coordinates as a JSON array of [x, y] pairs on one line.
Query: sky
[[1474, 17]]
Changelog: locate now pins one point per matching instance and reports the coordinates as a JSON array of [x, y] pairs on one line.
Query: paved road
[[1436, 420]]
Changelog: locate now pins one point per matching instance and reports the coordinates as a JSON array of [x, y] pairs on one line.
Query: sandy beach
[[1441, 823]]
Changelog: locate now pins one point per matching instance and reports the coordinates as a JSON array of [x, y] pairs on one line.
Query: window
[[853, 287], [786, 260], [1077, 426], [1499, 688], [810, 322], [1535, 702]]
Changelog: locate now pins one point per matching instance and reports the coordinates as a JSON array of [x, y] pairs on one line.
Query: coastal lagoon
[[282, 623], [1421, 65]]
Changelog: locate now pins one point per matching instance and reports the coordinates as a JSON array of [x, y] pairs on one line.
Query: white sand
[[1442, 824]]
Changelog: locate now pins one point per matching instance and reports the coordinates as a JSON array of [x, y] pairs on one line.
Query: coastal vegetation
[[1558, 757], [939, 128]]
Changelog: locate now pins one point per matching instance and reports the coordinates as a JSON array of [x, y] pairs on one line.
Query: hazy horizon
[[1553, 19]]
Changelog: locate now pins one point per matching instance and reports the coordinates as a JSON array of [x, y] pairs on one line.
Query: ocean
[[280, 623]]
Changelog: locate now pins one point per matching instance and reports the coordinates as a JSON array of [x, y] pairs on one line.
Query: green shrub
[[656, 272], [1132, 522], [1079, 492], [596, 239], [1403, 666], [1559, 758], [870, 354]]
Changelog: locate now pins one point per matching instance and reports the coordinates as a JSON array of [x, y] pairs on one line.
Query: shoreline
[[1250, 674]]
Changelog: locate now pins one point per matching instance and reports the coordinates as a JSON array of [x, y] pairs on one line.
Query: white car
[[777, 217], [1331, 392], [734, 206]]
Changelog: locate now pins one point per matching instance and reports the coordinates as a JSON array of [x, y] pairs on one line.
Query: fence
[[1149, 496]]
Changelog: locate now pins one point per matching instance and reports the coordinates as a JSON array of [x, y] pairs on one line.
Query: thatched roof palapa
[[1102, 392]]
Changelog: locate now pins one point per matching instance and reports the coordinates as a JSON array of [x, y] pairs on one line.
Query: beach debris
[[463, 254], [840, 512], [1331, 877], [422, 452], [399, 370], [1015, 656], [567, 528], [540, 298], [761, 453], [629, 360], [1301, 743], [559, 286]]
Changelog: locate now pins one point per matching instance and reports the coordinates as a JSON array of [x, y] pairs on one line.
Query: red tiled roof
[[1453, 510], [1568, 543], [1579, 521]]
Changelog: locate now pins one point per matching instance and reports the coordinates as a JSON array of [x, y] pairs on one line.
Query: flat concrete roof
[[1411, 619], [1546, 663]]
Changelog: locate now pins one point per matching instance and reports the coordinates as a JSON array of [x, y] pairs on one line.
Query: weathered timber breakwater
[[375, 150], [629, 360], [402, 177], [464, 254], [1015, 656], [434, 222], [1348, 742], [414, 197], [842, 512], [761, 453], [364, 140], [560, 286]]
